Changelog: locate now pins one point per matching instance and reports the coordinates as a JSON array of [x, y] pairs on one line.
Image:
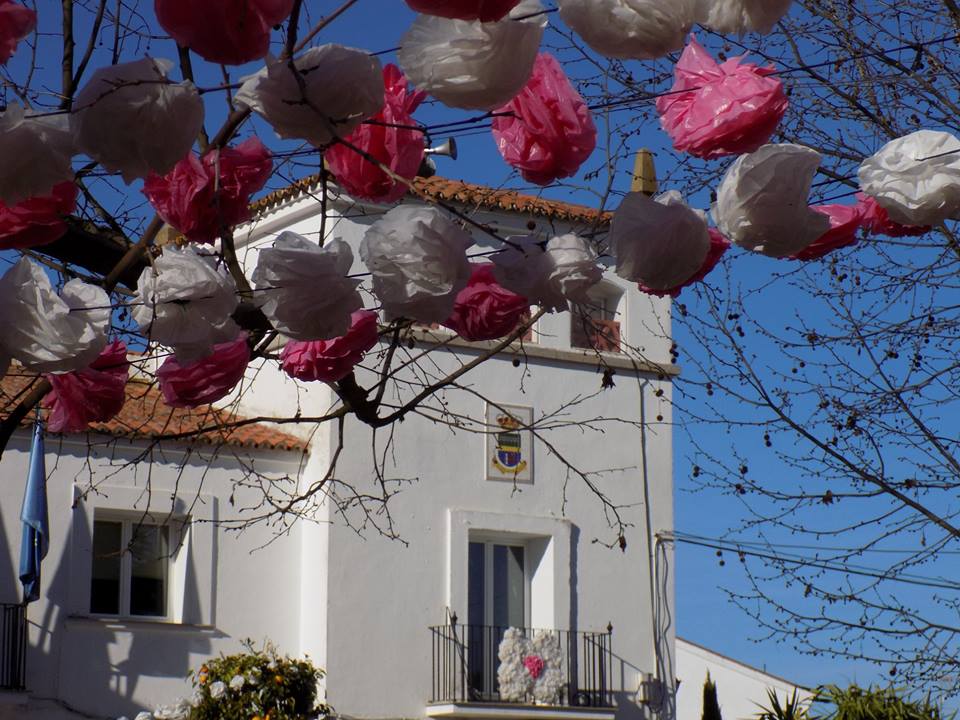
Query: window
[[497, 592], [596, 325], [130, 568]]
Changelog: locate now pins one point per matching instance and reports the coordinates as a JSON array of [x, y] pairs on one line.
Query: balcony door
[[498, 592]]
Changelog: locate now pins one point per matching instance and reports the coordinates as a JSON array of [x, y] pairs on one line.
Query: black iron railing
[[13, 646], [465, 664]]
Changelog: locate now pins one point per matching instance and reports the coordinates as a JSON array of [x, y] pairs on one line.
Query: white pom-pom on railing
[[186, 303], [470, 64], [133, 120], [762, 201], [417, 257], [36, 154], [742, 16], [46, 332], [916, 178], [658, 243], [303, 288], [631, 29], [341, 87]]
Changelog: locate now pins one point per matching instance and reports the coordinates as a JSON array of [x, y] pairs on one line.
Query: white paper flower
[[631, 29], [186, 303], [342, 87], [574, 268], [524, 267], [530, 667], [133, 120], [303, 288], [742, 16], [658, 243], [236, 682], [418, 259], [762, 201], [180, 710], [46, 332], [473, 65], [144, 715], [217, 689], [36, 154], [916, 178]]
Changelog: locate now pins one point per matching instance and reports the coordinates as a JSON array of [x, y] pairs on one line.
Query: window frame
[[613, 299], [175, 529]]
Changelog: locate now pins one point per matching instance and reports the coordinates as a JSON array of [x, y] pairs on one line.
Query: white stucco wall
[[384, 593], [740, 688], [227, 591]]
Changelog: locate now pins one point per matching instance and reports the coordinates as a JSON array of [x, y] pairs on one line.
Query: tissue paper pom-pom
[[473, 65], [631, 29], [303, 288], [206, 380], [658, 243], [228, 32], [574, 268], [482, 10], [718, 247], [715, 110], [549, 132], [133, 120], [390, 138], [94, 394], [418, 259], [523, 267], [185, 302], [741, 16], [762, 201], [196, 201], [484, 310], [331, 360], [38, 220], [877, 220], [916, 178], [36, 154], [16, 22], [47, 333], [845, 221], [342, 87]]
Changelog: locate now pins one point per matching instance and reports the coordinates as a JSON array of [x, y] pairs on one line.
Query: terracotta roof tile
[[470, 195], [145, 416]]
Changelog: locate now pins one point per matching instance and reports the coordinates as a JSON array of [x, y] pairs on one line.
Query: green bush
[[711, 706], [856, 703], [256, 685]]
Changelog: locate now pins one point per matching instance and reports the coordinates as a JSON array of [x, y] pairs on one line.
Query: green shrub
[[791, 709], [256, 685], [711, 706], [856, 703]]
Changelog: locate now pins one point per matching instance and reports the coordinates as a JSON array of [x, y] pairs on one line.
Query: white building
[[404, 610], [740, 687]]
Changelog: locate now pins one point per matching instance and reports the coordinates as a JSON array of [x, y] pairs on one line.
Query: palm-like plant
[[792, 709]]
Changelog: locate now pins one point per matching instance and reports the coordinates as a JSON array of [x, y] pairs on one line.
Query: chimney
[[644, 174]]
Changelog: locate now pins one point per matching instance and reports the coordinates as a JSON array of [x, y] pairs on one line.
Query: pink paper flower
[[231, 32], [845, 221], [38, 220], [206, 380], [399, 148], [16, 22], [878, 222], [331, 360], [716, 110], [718, 246], [483, 10], [94, 394], [484, 310], [534, 665], [192, 199], [550, 133]]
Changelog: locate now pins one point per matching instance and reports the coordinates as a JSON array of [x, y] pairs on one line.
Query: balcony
[[13, 646], [466, 662]]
